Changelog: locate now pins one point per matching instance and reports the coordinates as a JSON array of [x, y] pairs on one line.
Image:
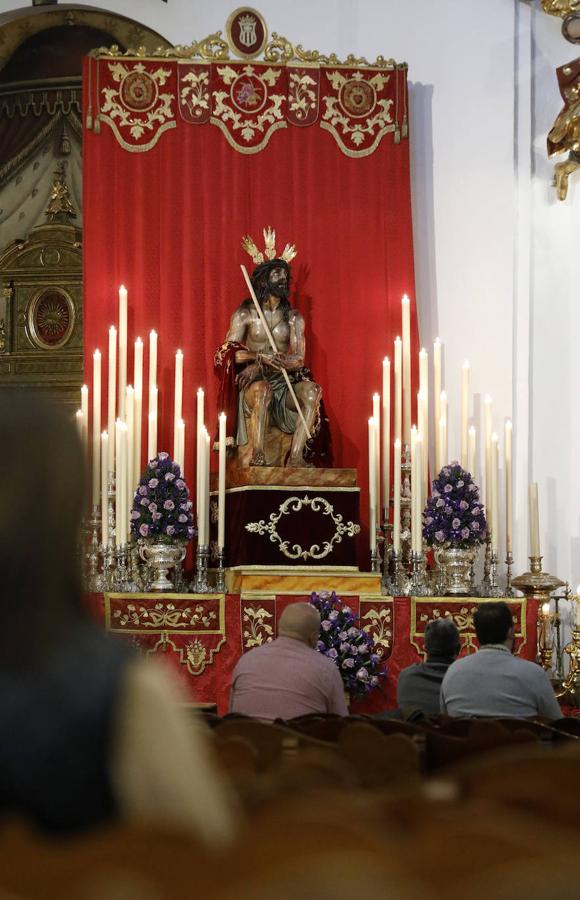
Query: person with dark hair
[[494, 682], [419, 685], [253, 389], [89, 732]]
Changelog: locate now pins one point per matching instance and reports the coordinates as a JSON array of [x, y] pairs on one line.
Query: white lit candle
[[222, 481], [129, 438], [546, 630], [104, 489], [471, 451], [442, 441], [138, 416], [417, 538], [122, 350], [112, 396], [152, 361], [180, 454], [85, 418], [488, 425], [397, 389], [494, 459], [152, 433], [508, 486], [372, 487], [415, 490], [443, 447], [437, 397], [96, 427], [397, 496], [423, 398], [120, 482], [204, 482], [534, 520], [465, 380], [199, 427], [178, 396], [377, 418], [406, 331], [386, 448], [79, 421]]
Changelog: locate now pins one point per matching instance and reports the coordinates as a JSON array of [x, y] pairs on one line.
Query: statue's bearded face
[[278, 282]]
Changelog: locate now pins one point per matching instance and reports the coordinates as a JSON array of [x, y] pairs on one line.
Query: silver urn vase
[[456, 565], [160, 557]]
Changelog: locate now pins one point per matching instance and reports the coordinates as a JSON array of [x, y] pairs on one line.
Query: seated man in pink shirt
[[288, 677]]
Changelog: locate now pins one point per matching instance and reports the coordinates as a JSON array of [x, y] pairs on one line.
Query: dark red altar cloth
[[201, 636]]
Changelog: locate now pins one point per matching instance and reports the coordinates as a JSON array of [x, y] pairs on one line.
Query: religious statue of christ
[[254, 390]]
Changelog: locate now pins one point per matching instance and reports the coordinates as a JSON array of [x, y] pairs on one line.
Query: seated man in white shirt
[[493, 682]]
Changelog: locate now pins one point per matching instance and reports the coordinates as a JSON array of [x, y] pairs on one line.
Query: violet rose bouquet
[[350, 647], [161, 506], [453, 513]]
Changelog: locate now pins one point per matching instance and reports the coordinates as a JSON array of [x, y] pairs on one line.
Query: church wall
[[494, 249]]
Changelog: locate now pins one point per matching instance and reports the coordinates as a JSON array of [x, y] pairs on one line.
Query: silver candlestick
[[494, 588], [485, 587], [375, 559], [417, 583], [201, 585], [221, 572], [509, 561], [397, 581]]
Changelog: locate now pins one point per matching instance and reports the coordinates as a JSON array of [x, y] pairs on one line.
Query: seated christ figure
[[254, 392]]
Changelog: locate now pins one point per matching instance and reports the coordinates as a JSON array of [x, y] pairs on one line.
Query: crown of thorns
[[288, 253]]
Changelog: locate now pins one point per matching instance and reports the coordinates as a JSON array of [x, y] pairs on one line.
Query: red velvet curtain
[[168, 223]]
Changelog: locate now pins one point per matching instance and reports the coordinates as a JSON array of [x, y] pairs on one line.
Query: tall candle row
[[395, 401]]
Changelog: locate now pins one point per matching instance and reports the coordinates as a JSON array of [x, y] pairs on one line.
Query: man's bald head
[[300, 621]]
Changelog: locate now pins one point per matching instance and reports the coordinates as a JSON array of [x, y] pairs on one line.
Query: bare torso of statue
[[263, 392]]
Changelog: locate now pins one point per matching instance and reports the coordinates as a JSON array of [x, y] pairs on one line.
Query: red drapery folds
[[182, 159]]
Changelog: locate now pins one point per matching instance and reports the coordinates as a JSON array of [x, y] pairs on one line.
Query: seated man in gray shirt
[[419, 685], [493, 682]]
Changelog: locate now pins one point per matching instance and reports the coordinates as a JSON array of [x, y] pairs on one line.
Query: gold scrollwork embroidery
[[356, 97], [137, 105], [195, 93], [256, 630], [302, 99], [249, 92], [295, 504], [380, 627], [162, 616]]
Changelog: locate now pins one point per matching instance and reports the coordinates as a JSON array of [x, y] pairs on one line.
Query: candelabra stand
[[486, 581], [221, 572], [122, 584], [559, 673], [406, 505], [538, 585], [494, 588], [417, 586], [396, 583], [94, 580], [180, 585], [201, 585], [571, 684], [375, 559], [134, 580], [509, 561]]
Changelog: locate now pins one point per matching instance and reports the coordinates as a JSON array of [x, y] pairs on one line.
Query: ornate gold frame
[[34, 335]]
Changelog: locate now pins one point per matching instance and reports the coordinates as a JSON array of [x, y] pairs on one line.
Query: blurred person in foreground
[[419, 685], [89, 733], [494, 682], [288, 677]]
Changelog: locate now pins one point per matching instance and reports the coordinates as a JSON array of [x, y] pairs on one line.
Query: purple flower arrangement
[[161, 507], [351, 648], [453, 513]]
